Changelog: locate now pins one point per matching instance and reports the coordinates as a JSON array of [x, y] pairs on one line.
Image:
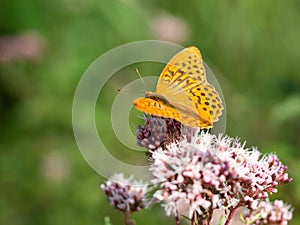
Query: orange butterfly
[[183, 93]]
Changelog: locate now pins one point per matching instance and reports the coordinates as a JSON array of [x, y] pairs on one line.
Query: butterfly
[[183, 92]]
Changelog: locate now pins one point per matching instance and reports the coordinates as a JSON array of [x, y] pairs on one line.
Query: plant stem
[[193, 221], [231, 215], [128, 220], [177, 220]]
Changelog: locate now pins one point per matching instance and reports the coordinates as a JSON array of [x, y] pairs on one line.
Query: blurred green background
[[45, 47]]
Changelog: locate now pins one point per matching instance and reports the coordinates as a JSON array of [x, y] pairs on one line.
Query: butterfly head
[[156, 97], [149, 94]]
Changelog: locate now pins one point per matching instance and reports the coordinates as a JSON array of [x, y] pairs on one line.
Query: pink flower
[[125, 194], [212, 172], [267, 212]]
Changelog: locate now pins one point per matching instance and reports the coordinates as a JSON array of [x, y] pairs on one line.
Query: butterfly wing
[[189, 62], [183, 83], [158, 108], [212, 101]]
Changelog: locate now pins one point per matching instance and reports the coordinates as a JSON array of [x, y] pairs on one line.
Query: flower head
[[211, 172], [158, 132], [125, 194], [267, 212]]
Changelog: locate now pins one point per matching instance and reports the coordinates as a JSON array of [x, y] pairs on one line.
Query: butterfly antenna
[[142, 80], [128, 91]]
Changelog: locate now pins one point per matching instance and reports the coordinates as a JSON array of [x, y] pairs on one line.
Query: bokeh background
[[45, 47]]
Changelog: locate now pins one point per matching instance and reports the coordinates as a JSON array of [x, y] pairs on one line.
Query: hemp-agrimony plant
[[194, 173]]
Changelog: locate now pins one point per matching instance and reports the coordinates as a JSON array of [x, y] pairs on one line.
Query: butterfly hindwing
[[212, 99]]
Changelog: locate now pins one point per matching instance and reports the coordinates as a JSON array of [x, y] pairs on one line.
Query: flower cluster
[[125, 194], [267, 212], [158, 132], [211, 172], [263, 177], [194, 173]]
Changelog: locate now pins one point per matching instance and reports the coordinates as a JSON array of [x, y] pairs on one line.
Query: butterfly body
[[183, 93]]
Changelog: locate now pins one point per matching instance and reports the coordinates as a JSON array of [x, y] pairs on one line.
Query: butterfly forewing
[[157, 108], [188, 62]]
